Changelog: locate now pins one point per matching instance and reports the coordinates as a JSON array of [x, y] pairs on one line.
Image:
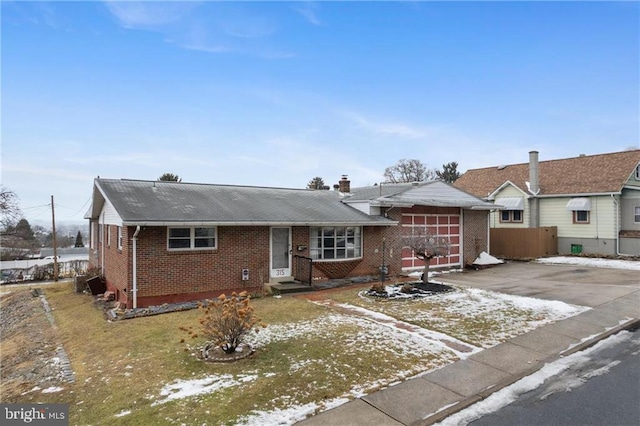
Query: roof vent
[[502, 167]]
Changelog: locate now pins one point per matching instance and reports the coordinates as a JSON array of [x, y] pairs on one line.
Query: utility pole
[[55, 243]]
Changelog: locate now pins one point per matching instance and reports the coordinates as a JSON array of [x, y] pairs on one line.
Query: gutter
[[383, 222], [134, 238]]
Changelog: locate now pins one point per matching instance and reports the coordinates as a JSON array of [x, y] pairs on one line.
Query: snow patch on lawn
[[180, 389]]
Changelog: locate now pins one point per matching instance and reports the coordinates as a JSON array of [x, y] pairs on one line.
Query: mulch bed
[[411, 290]]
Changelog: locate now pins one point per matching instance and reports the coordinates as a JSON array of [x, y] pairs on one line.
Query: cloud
[[212, 27], [47, 172], [309, 11], [386, 128], [148, 15]]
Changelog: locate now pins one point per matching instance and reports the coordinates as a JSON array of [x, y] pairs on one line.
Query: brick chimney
[[344, 185]]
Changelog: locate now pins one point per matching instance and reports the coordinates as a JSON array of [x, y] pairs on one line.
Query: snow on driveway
[[593, 262]]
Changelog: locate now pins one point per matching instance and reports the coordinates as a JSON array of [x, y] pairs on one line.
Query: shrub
[[407, 288], [378, 287], [226, 321]]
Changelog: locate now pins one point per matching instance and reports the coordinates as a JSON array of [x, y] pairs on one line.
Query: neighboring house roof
[[432, 193], [169, 203], [588, 174]]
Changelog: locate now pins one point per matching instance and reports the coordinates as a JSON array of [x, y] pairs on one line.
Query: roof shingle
[[589, 174], [156, 202]]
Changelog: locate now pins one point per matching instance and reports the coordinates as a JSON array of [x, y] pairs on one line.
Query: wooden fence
[[521, 243]]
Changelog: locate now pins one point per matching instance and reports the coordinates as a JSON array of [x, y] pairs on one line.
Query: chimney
[[534, 188], [344, 185], [534, 183]]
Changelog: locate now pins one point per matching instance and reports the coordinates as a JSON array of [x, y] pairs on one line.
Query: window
[[636, 217], [119, 237], [580, 216], [511, 216], [638, 172], [340, 242], [108, 236], [191, 238]]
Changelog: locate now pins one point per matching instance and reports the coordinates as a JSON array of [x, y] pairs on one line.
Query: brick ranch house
[[163, 242]]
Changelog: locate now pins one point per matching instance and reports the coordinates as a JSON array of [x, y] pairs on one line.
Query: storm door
[[280, 252]]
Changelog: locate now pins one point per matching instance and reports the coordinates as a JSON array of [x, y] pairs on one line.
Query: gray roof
[[432, 193], [168, 203]]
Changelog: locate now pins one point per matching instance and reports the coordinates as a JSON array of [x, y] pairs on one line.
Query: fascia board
[[387, 222], [496, 191]]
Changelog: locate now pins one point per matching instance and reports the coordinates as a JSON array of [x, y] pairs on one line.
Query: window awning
[[579, 204], [511, 203]]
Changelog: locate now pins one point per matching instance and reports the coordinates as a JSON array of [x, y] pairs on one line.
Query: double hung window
[[191, 238]]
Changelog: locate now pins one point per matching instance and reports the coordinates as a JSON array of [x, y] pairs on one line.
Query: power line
[[36, 207]]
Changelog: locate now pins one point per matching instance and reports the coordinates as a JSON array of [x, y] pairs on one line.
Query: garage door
[[442, 225]]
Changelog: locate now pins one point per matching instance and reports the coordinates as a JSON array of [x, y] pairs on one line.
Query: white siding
[[602, 220], [109, 216], [628, 203], [363, 206], [510, 191]]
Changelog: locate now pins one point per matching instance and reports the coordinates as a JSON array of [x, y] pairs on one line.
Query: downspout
[[134, 238], [617, 223], [618, 227], [101, 234]]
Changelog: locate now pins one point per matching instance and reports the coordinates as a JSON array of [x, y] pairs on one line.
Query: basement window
[[191, 238]]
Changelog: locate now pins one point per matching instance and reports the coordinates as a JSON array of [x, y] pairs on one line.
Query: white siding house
[[594, 201]]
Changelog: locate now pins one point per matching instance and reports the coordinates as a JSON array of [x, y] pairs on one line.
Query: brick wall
[[173, 276], [116, 262], [475, 234]]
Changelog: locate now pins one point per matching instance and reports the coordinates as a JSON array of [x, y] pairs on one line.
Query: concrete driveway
[[578, 285]]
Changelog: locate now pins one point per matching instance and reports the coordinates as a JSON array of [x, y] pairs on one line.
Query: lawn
[[312, 356]]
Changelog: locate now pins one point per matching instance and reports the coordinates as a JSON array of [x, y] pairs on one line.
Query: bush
[[407, 288], [226, 321], [378, 287]]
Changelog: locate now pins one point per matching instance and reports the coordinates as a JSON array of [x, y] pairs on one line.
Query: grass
[[131, 372], [124, 365], [470, 315]]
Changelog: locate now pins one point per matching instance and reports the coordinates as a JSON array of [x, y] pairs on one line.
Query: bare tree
[[409, 170], [425, 246], [9, 210]]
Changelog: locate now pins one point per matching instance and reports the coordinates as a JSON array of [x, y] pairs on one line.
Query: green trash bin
[[576, 248]]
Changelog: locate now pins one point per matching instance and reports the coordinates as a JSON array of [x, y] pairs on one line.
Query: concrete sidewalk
[[431, 397]]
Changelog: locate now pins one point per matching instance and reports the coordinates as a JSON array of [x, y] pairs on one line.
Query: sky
[[277, 93]]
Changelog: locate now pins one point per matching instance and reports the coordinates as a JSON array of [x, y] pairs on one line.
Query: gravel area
[[32, 357]]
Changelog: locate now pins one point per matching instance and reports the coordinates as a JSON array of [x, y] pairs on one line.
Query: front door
[[280, 252]]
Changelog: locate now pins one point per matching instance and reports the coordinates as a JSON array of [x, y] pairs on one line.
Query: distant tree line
[[407, 170], [20, 238]]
